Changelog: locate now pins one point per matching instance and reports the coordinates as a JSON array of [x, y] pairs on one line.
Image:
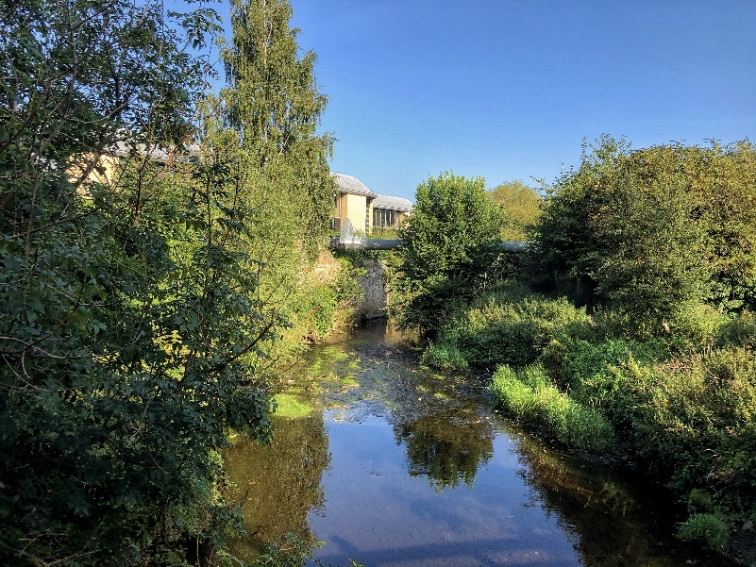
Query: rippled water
[[397, 465]]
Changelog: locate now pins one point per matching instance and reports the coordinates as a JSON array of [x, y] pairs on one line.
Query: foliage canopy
[[654, 231], [137, 309], [449, 246], [521, 206], [272, 103]]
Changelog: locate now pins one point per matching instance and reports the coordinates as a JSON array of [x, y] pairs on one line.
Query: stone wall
[[326, 269], [373, 283], [374, 289]]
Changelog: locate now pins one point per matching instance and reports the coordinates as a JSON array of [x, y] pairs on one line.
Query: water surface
[[401, 466]]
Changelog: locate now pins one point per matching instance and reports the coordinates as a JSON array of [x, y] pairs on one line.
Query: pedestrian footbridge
[[348, 240]]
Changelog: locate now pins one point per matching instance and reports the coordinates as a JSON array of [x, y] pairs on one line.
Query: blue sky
[[508, 89]]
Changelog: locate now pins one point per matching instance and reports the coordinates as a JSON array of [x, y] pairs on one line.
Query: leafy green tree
[[450, 244], [652, 232], [719, 184], [656, 265], [275, 107], [126, 311], [520, 204], [270, 112], [565, 252]]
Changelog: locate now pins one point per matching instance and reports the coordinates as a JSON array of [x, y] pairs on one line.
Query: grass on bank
[[682, 402], [711, 528], [529, 396]]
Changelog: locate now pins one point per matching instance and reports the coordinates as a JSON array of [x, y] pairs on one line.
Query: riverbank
[[682, 407]]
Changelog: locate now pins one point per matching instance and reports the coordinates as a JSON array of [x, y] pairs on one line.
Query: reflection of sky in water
[[376, 513], [416, 469]]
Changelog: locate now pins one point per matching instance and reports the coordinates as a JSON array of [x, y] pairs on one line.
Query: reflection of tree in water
[[612, 525], [443, 428], [278, 486], [447, 451]]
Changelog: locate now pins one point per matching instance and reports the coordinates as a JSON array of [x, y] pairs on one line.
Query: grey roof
[[153, 152], [392, 203], [352, 185]]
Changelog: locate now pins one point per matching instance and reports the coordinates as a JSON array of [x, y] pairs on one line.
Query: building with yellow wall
[[107, 168], [354, 201], [389, 212], [365, 209]]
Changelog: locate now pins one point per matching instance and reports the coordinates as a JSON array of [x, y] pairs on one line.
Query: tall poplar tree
[[273, 103]]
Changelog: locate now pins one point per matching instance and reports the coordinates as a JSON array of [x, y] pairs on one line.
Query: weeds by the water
[[709, 528], [445, 357], [529, 396]]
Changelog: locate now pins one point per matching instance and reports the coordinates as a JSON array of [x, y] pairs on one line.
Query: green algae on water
[[291, 407]]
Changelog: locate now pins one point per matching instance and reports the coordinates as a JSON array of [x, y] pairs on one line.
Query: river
[[391, 464]]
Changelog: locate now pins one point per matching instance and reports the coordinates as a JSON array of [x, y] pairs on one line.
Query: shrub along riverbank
[[627, 326], [683, 406]]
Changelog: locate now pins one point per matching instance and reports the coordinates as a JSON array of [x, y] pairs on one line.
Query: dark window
[[384, 219]]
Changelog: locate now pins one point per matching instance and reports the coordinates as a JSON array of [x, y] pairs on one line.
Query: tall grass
[[530, 397], [709, 528]]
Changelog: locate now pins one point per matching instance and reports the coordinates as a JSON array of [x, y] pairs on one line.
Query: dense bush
[[692, 417], [738, 331], [449, 246], [504, 325], [593, 372], [317, 308], [653, 232], [700, 420]]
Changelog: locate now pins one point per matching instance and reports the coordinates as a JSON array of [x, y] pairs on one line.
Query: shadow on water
[[446, 436], [277, 487], [614, 517], [398, 465], [446, 455]]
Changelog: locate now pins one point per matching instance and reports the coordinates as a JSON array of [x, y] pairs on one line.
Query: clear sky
[[508, 89]]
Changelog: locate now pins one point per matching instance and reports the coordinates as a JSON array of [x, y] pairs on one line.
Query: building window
[[384, 219]]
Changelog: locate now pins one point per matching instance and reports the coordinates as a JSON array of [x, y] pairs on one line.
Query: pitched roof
[[153, 152], [392, 203], [352, 185]]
